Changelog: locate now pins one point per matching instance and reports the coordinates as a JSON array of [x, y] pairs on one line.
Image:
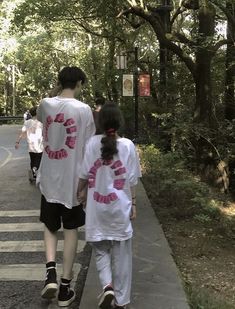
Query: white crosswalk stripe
[[33, 246], [24, 227], [19, 213], [28, 272]]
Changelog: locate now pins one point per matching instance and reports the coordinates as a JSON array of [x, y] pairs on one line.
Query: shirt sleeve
[[90, 128], [134, 166]]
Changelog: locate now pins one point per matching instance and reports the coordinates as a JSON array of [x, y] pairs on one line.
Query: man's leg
[[31, 167], [50, 216], [71, 219], [50, 242], [66, 294], [35, 162], [51, 286], [70, 249]]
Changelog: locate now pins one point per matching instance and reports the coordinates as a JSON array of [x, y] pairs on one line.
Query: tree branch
[[183, 39], [87, 29], [220, 44], [179, 11], [229, 16], [161, 35]]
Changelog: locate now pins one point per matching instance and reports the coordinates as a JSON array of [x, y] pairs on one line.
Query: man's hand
[[17, 145], [82, 191], [82, 197]]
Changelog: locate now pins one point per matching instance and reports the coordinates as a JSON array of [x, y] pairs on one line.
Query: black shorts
[[52, 214]]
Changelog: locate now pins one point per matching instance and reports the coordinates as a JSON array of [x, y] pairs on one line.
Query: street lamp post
[[122, 65], [12, 68], [136, 96]]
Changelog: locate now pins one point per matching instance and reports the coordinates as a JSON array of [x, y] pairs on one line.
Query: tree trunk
[[204, 107], [230, 67], [164, 14]]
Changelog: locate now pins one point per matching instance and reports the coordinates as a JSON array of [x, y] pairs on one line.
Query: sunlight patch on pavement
[[9, 156]]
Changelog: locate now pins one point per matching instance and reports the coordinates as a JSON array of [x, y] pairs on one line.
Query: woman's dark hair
[[110, 121], [69, 76], [33, 111]]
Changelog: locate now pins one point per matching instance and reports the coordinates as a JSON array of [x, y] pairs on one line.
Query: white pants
[[114, 265]]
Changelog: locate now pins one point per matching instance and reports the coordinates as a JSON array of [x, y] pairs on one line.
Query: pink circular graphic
[[118, 183], [70, 142]]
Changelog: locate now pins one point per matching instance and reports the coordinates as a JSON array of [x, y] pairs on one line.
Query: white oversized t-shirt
[[67, 126], [109, 199], [33, 130]]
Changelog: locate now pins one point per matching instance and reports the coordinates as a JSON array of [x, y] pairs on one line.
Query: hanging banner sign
[[128, 85], [144, 85]]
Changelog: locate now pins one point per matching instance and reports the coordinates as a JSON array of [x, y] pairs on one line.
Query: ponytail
[[110, 121]]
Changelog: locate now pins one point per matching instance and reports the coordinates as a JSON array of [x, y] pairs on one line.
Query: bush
[[176, 186], [202, 299]]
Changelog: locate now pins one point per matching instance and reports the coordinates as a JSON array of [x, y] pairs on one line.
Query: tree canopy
[[186, 45]]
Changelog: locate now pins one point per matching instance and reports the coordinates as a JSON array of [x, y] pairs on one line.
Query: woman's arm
[[20, 137], [133, 208]]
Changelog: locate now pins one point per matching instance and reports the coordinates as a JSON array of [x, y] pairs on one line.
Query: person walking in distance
[[27, 115], [110, 170], [32, 130], [99, 102], [67, 126]]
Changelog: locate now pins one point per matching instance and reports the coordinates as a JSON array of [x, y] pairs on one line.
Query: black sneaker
[[66, 294], [119, 307], [51, 286], [106, 298]]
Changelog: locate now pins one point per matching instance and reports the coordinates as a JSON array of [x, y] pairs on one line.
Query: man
[[32, 130], [99, 102], [27, 115], [67, 125]]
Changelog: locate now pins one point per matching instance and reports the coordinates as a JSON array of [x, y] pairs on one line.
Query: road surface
[[22, 260]]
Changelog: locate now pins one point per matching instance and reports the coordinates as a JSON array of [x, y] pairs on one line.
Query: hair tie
[[111, 132]]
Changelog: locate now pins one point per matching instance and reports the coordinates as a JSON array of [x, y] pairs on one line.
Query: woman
[[111, 170]]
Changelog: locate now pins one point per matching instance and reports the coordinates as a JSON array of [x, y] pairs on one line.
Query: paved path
[[22, 268], [156, 281]]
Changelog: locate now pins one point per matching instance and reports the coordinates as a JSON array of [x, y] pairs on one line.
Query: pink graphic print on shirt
[[71, 142], [118, 183], [70, 139], [59, 118]]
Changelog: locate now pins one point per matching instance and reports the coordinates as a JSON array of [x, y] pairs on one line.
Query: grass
[[195, 220]]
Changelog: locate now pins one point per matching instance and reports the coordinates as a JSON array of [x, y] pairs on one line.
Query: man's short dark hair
[[100, 101], [33, 111], [70, 76]]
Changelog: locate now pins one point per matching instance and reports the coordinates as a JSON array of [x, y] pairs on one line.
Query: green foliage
[[181, 191], [200, 298]]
